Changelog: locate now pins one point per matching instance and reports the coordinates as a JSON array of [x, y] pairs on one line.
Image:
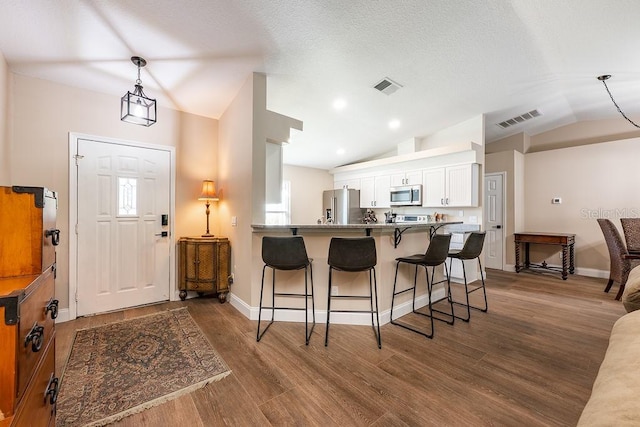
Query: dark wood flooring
[[530, 361]]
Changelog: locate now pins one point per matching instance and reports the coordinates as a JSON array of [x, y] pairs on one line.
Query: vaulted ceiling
[[454, 60]]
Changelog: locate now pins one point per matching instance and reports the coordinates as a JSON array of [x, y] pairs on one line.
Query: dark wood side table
[[204, 266], [565, 240]]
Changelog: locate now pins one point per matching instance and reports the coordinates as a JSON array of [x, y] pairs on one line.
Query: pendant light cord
[[602, 79]]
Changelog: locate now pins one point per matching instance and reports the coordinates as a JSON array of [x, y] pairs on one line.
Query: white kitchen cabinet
[[406, 178], [374, 191], [347, 183], [433, 187], [452, 186]]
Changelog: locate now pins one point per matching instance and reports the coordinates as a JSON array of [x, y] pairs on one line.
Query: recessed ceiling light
[[340, 104], [394, 124], [340, 151]]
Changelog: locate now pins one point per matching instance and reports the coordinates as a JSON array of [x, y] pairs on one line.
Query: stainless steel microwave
[[406, 195]]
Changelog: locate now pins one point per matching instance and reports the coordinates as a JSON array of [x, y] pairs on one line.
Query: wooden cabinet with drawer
[[28, 233], [204, 266], [28, 308], [27, 335]]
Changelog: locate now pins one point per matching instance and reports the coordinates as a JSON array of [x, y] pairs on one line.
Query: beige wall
[[196, 160], [237, 175], [593, 163], [583, 133], [469, 130], [519, 142], [43, 115], [594, 181], [307, 185], [5, 164], [512, 164]]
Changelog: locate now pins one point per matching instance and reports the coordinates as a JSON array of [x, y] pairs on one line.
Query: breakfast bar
[[393, 240]]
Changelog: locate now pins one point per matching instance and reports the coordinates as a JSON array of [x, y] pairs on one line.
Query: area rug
[[119, 369]]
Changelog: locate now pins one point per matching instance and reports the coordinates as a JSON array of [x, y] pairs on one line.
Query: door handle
[[162, 234], [497, 226]]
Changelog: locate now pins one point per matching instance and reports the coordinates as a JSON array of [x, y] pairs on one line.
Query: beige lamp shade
[[208, 190]]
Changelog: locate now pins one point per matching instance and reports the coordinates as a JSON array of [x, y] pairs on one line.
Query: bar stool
[[286, 253], [472, 249], [354, 255], [435, 255]]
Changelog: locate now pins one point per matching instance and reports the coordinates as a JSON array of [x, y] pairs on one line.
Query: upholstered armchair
[[621, 262], [631, 230]]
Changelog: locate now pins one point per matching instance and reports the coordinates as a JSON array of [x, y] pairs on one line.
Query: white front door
[[493, 221], [123, 258]]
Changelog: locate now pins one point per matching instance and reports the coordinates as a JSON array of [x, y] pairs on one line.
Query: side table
[[204, 266], [565, 240]]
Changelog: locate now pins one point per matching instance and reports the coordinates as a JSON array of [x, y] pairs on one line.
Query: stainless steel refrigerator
[[342, 206]]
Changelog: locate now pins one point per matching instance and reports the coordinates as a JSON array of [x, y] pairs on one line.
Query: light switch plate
[[234, 221]]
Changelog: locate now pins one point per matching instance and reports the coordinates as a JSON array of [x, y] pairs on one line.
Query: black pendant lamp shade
[[136, 107]]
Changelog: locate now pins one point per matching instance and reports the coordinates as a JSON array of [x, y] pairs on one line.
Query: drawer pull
[[55, 236], [35, 337], [52, 390], [52, 307]]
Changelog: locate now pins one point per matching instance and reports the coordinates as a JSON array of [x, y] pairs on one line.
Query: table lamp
[[208, 195]]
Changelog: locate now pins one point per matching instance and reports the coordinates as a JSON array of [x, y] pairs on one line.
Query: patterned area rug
[[122, 368]]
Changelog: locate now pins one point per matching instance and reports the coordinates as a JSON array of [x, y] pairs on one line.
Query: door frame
[[73, 211], [504, 212]]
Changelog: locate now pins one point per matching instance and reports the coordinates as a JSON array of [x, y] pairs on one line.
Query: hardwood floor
[[531, 360]]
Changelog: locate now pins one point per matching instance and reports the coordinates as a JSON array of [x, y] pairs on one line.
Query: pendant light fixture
[[136, 107], [604, 79]]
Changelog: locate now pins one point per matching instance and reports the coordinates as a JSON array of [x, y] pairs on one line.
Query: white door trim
[[504, 213], [73, 211]]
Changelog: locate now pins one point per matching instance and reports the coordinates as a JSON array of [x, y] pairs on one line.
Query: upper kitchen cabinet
[[406, 178], [374, 191], [451, 186], [353, 184]]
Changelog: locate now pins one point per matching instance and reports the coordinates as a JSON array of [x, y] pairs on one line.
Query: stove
[[413, 219]]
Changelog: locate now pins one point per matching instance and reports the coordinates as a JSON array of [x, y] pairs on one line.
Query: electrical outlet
[[334, 291]]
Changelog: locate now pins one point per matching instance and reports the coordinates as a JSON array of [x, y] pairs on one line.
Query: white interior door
[[123, 257], [494, 221]]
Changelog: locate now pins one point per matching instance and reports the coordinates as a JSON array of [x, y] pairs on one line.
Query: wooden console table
[[565, 240]]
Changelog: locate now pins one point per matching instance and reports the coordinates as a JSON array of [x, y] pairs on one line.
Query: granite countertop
[[374, 226]]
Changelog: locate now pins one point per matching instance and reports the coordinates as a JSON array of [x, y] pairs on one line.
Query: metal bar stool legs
[[286, 253], [471, 249], [436, 254], [354, 255]]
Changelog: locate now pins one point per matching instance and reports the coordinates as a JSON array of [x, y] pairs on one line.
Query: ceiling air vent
[[519, 119], [387, 86]]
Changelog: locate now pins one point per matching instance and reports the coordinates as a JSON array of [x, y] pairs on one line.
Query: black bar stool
[[472, 249], [435, 255], [286, 253], [354, 255]]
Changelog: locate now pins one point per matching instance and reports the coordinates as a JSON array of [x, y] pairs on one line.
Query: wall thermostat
[[556, 200]]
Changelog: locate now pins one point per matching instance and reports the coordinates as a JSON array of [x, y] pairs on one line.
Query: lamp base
[[207, 235]]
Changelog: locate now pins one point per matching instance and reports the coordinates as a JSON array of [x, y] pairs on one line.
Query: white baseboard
[[336, 318], [588, 272], [63, 315]]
